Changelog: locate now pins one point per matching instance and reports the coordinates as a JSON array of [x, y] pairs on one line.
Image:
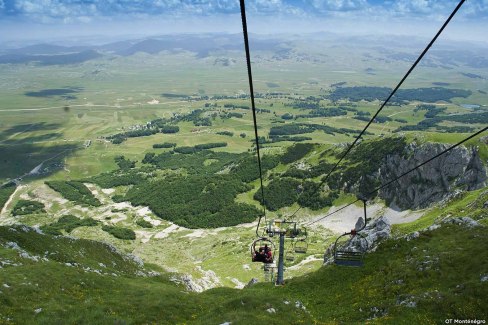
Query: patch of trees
[[287, 116], [234, 114], [164, 145], [234, 106], [67, 223], [24, 207], [195, 201], [305, 105], [313, 198], [432, 110], [120, 232], [74, 191], [226, 133], [124, 163], [382, 119], [117, 178], [199, 147], [300, 128], [429, 95], [170, 129], [401, 120], [211, 145], [474, 118], [143, 223], [5, 193], [323, 112], [195, 165], [279, 138], [283, 192], [247, 170], [296, 152], [194, 116]]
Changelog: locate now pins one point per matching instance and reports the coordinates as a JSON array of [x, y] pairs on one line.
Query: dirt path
[[4, 209]]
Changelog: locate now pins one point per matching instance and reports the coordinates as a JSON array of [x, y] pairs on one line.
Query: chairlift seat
[[349, 258]]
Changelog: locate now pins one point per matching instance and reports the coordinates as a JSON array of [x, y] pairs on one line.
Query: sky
[[50, 19]]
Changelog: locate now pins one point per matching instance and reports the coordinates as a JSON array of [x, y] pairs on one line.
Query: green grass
[[440, 272]]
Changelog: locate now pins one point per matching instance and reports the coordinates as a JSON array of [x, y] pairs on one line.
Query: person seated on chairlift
[[259, 255], [268, 255]]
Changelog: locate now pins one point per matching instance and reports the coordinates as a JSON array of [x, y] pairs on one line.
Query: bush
[[68, 223], [143, 223], [164, 145], [119, 232]]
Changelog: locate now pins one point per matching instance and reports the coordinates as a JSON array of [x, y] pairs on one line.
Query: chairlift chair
[[351, 256], [300, 246], [256, 255], [290, 255]]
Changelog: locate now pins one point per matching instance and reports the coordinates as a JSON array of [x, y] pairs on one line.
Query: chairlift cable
[[253, 106], [386, 101], [404, 174]]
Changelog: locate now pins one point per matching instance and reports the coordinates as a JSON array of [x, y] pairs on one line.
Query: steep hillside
[[425, 277]]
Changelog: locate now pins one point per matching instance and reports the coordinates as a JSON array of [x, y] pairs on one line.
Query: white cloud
[[340, 5]]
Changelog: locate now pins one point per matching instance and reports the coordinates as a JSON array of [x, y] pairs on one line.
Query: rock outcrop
[[367, 240], [460, 168]]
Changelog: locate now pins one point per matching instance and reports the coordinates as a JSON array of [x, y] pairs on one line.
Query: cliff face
[[461, 168]]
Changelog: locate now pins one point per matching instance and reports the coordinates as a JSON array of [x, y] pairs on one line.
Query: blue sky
[[35, 18]]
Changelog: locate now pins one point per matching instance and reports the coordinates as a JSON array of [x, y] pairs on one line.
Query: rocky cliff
[[459, 169]]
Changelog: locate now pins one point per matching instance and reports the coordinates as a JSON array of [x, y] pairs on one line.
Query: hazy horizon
[[24, 22]]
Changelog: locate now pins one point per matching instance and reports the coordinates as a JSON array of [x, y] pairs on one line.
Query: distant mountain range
[[204, 45]]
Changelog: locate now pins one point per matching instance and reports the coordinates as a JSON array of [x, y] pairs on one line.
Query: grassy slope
[[453, 259]]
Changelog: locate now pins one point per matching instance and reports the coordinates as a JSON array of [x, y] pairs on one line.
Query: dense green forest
[[195, 201], [296, 152], [428, 95], [283, 192], [118, 178], [74, 191], [300, 128]]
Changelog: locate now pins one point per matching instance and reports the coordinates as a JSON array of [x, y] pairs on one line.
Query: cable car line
[[253, 106], [404, 174], [386, 101]]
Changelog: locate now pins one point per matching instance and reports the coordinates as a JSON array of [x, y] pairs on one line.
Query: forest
[[428, 95], [195, 201], [301, 128]]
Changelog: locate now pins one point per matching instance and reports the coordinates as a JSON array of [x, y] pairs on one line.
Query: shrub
[[143, 223], [119, 232]]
